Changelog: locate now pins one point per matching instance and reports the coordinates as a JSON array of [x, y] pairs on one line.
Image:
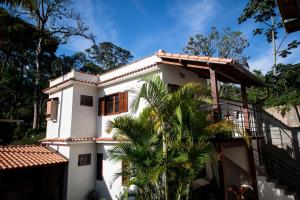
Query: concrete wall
[[178, 75], [109, 187], [132, 86], [84, 117], [81, 179], [290, 118], [236, 166], [61, 128]]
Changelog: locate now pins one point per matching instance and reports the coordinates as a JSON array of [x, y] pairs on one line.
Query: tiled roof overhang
[[116, 78], [79, 140], [290, 14], [228, 70], [47, 90], [26, 156]]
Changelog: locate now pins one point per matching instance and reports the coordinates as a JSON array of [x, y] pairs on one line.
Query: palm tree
[[142, 148], [174, 130]]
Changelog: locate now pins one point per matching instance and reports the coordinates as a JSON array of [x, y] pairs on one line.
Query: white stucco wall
[[109, 188], [81, 179], [61, 128], [84, 117], [171, 75], [132, 86]]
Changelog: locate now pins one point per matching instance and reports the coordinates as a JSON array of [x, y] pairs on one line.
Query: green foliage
[[284, 87], [108, 56], [228, 44], [265, 13], [167, 141]]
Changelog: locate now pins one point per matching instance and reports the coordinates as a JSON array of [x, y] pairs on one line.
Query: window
[[125, 172], [51, 111], [113, 104], [99, 166], [84, 159], [86, 100]]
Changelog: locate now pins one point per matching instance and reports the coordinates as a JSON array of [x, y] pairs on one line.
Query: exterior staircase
[[270, 189], [278, 165]]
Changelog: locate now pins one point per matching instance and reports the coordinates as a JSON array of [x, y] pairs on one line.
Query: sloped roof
[[24, 156], [228, 70], [290, 14]]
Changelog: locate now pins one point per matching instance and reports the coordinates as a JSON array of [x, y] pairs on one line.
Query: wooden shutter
[[101, 106], [123, 96], [51, 111]]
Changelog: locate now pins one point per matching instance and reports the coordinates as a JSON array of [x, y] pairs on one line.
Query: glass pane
[[117, 103], [110, 108]]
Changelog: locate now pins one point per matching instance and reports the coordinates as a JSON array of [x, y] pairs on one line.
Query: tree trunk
[[274, 47], [165, 149], [36, 85]]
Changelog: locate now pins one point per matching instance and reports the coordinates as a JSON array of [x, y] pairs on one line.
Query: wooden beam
[[245, 109], [198, 66], [171, 63], [214, 93], [233, 80]]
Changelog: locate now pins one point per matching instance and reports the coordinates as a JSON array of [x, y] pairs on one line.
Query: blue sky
[[144, 26]]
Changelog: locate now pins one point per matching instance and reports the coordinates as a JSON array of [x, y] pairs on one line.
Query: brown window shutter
[[123, 101], [101, 106]]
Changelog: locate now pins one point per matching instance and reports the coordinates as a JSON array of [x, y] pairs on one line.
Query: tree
[[266, 14], [54, 18], [167, 143], [108, 55], [229, 44], [17, 61], [287, 84]]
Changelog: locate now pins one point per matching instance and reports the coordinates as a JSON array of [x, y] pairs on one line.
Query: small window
[[84, 159], [126, 172], [86, 100], [99, 166]]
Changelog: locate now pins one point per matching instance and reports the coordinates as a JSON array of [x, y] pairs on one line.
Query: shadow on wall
[[267, 191], [102, 187]]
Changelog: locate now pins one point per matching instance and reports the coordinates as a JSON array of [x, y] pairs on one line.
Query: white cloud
[[194, 16], [264, 59], [188, 17], [96, 16]]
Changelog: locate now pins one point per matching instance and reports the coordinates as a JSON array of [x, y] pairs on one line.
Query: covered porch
[[235, 165]]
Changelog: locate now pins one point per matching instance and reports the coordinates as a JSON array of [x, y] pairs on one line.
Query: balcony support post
[[245, 109], [250, 148], [214, 94]]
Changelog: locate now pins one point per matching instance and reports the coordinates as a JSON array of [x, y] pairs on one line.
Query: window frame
[[120, 101], [99, 168], [84, 100], [81, 158], [114, 104]]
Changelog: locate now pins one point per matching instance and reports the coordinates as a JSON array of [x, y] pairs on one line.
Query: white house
[[80, 105]]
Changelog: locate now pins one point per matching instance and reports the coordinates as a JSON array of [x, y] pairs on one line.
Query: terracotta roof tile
[[70, 139], [22, 156]]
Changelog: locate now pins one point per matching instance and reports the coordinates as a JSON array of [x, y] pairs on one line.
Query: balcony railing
[[235, 113]]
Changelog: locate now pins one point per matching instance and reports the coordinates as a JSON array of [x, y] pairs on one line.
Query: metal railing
[[235, 113], [282, 171]]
